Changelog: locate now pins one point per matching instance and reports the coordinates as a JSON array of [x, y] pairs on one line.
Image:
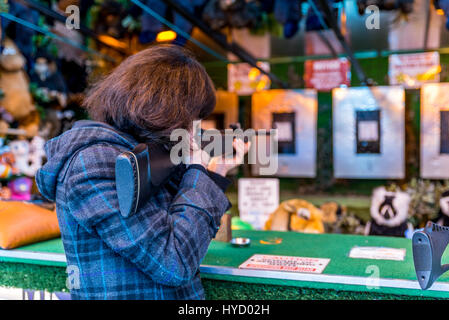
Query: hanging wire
[[318, 14], [179, 31], [54, 36]]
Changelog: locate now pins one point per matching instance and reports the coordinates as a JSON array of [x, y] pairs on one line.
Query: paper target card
[[369, 132]]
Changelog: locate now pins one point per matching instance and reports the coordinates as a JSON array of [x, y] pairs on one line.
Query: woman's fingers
[[241, 149]]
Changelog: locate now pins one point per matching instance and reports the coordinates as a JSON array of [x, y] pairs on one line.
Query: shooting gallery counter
[[41, 266]]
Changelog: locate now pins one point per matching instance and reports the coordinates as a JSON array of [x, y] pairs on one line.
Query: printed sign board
[[377, 253], [257, 198], [245, 80], [285, 263], [414, 69], [325, 75]]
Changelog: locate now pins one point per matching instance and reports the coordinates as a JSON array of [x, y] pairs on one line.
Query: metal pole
[[324, 25], [426, 32]]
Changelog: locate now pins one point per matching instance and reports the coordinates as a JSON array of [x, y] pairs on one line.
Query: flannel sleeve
[[167, 238]]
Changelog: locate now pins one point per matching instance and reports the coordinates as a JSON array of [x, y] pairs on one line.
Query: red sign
[[325, 75]]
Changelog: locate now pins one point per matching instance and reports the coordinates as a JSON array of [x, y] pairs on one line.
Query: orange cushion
[[22, 223]]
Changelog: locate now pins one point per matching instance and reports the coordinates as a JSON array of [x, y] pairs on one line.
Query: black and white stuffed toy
[[389, 212], [443, 214]]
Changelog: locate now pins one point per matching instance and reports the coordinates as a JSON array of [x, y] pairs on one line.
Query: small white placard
[[285, 263], [377, 253], [257, 198]]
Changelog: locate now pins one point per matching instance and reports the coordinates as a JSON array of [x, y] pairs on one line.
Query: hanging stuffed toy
[[66, 51], [151, 26], [289, 14], [109, 19], [443, 5], [389, 213], [49, 80], [233, 13], [406, 6], [16, 100], [22, 35], [50, 92], [314, 21], [296, 215], [214, 16]]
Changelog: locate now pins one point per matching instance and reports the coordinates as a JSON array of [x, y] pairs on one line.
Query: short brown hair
[[153, 92]]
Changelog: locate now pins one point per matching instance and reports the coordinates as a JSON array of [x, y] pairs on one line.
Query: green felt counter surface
[[342, 274], [396, 277]]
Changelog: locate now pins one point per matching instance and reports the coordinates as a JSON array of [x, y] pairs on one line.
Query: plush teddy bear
[[16, 98], [337, 219], [296, 215], [28, 157]]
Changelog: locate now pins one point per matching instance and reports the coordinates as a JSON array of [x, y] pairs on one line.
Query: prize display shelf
[[41, 266]]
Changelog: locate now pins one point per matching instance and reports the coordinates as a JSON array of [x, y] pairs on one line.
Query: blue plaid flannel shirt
[[153, 254]]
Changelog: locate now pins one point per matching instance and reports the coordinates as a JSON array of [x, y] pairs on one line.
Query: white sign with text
[[257, 198], [285, 263]]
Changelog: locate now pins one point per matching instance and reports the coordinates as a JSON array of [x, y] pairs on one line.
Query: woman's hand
[[198, 155], [223, 164]]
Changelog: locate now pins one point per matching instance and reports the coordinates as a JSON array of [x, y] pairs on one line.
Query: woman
[[156, 252]]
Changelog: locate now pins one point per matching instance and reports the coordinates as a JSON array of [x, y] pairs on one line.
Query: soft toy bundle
[[16, 100], [337, 219], [19, 162], [296, 215]]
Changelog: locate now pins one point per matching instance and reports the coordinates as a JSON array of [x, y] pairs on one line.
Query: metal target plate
[[435, 131], [369, 132], [294, 114]]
